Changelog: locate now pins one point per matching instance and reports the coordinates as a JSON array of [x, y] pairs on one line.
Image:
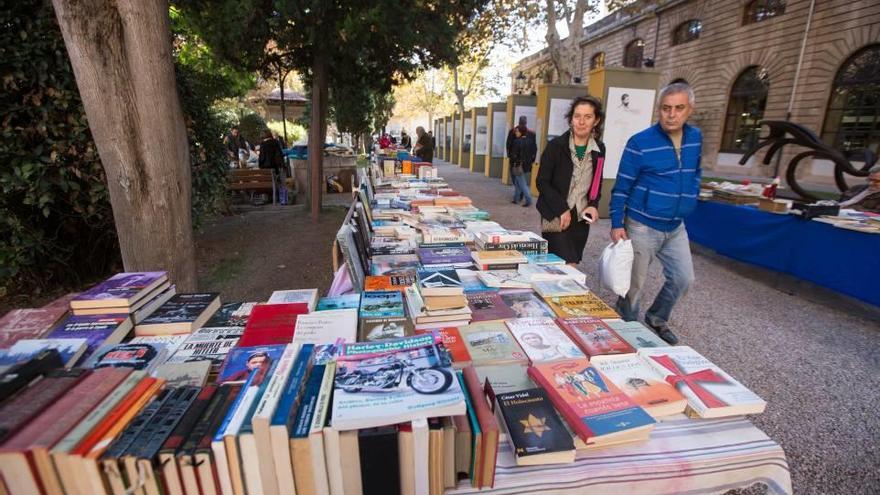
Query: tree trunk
[[459, 94], [317, 130], [281, 77], [120, 51]]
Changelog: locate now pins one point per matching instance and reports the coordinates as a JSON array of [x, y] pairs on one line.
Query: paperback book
[[641, 383], [120, 290], [96, 329], [346, 301], [543, 340], [559, 288], [491, 343], [309, 297], [587, 304], [594, 337], [525, 303], [135, 356], [533, 428], [183, 313], [241, 361], [71, 350], [488, 306], [636, 334]]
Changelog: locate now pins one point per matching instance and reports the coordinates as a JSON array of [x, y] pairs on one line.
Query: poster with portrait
[[481, 140], [447, 134], [467, 135], [531, 115], [499, 134], [627, 112], [456, 129], [556, 123]]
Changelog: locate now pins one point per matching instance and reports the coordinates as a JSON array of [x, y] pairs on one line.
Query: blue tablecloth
[[842, 260]]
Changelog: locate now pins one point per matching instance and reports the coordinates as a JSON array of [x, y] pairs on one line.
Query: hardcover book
[[594, 337], [120, 290], [488, 306], [394, 381], [491, 343], [96, 329], [710, 392], [587, 304], [559, 288], [183, 313], [525, 303], [636, 334], [533, 428], [271, 324], [591, 404], [641, 383], [543, 340], [309, 297], [241, 361]]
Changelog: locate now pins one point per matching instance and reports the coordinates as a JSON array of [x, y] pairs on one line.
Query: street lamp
[[519, 83]]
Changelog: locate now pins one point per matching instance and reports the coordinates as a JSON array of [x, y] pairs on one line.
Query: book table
[[683, 456]]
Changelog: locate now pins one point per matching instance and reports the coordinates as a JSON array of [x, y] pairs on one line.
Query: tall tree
[[564, 52], [120, 51]]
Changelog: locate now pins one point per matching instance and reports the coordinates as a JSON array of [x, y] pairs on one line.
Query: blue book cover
[[309, 401], [242, 360], [294, 385], [470, 282], [545, 259], [347, 301], [247, 426], [382, 304], [96, 329], [25, 349], [218, 437]]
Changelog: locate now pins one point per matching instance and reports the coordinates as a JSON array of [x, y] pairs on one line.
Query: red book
[[24, 458], [271, 324], [594, 336], [452, 341], [34, 399], [30, 323], [488, 306], [488, 429]]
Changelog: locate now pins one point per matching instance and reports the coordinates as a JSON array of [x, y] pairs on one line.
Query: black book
[[182, 313], [20, 375], [380, 463], [161, 426], [534, 430], [234, 314]]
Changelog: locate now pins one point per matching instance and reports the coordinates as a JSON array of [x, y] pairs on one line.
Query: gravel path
[[817, 366]]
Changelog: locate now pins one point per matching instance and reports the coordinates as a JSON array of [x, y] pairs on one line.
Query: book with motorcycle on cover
[[393, 381]]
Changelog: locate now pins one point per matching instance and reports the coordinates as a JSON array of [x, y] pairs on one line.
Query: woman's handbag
[[551, 226], [516, 170]]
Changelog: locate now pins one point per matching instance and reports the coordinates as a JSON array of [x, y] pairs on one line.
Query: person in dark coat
[[271, 157], [570, 180], [522, 149], [424, 149]]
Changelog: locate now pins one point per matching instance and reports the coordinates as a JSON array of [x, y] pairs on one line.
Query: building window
[[852, 121], [745, 109], [760, 10], [687, 31], [597, 61], [634, 53]]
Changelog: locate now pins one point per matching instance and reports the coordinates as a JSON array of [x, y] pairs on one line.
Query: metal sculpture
[[804, 137]]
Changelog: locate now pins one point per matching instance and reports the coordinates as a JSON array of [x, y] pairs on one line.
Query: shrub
[[252, 127]]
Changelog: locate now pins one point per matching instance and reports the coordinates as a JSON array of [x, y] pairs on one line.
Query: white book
[[709, 390], [534, 272], [559, 288], [503, 279], [308, 296], [171, 342], [543, 340], [326, 327], [421, 452]]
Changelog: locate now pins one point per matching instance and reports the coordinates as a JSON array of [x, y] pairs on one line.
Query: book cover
[[534, 272], [488, 306], [191, 374], [382, 304], [453, 343], [641, 383], [70, 349], [545, 259], [709, 390], [400, 265], [543, 340], [234, 314], [122, 289], [594, 337], [203, 348], [135, 356], [388, 282], [395, 381], [636, 334], [305, 296], [591, 404], [559, 288], [30, 402], [271, 324], [534, 430], [444, 256], [183, 311], [96, 329], [322, 327], [30, 323], [525, 303], [491, 343], [505, 378], [171, 342], [471, 282], [503, 279], [587, 304], [241, 361], [439, 282], [346, 301], [488, 429]]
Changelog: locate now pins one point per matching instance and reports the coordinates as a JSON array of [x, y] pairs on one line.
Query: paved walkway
[[818, 367]]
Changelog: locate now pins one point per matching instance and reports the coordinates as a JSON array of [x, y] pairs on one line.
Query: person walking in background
[[272, 158], [424, 149], [522, 148], [405, 140], [657, 187], [235, 145], [570, 180]]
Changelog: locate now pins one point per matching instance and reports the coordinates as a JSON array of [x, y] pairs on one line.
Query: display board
[[556, 123], [447, 133], [499, 134], [531, 114], [481, 139], [467, 135], [628, 111]]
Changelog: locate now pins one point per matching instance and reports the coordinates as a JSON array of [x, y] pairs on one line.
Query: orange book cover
[[407, 167], [116, 428], [381, 282], [453, 342], [125, 409]]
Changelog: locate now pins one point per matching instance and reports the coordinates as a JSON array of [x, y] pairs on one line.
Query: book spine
[[323, 402], [189, 420], [294, 385], [305, 412], [35, 399], [118, 448], [498, 266], [163, 424]]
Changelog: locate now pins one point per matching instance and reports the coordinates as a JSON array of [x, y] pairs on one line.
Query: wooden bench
[[251, 179]]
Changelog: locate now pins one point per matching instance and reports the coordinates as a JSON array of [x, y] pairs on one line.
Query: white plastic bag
[[615, 267]]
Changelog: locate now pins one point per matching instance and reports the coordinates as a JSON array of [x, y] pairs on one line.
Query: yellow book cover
[[586, 305]]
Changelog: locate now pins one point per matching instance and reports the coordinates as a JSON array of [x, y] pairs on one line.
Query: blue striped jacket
[[653, 186]]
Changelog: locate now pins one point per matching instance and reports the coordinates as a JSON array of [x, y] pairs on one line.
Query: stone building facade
[[745, 61]]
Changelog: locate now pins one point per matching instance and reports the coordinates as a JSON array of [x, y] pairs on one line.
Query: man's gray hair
[[674, 88]]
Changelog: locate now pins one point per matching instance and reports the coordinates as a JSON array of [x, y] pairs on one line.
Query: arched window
[[745, 109], [634, 53], [852, 120], [687, 31], [598, 60], [760, 10]]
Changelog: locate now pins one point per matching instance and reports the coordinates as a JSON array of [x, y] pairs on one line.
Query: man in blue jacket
[[657, 187]]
